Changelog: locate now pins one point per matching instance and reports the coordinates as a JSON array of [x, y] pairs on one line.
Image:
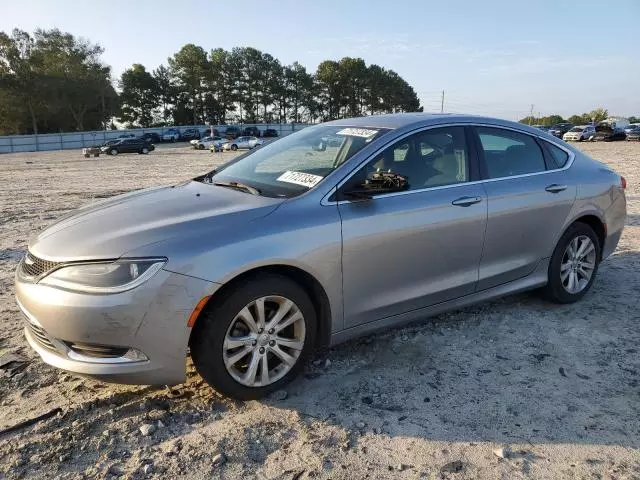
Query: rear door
[[529, 197], [407, 250], [131, 145]]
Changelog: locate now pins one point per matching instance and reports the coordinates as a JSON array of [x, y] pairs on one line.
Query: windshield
[[298, 162], [577, 129]]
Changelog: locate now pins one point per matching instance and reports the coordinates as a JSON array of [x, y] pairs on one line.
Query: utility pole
[[442, 103], [531, 114]]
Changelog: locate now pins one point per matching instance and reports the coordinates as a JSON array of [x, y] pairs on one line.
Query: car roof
[[419, 119]]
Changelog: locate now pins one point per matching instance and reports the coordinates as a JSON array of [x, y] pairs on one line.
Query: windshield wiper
[[239, 186]]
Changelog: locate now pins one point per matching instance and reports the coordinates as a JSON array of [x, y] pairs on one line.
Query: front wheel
[[573, 265], [114, 151], [256, 338], [234, 147], [200, 147]]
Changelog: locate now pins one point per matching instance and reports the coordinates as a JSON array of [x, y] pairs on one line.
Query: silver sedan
[[242, 143], [329, 233]]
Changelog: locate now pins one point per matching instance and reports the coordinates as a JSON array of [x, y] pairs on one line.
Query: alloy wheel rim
[[578, 264], [264, 341]]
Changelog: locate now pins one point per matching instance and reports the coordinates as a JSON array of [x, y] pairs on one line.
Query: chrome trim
[[78, 357], [325, 200]]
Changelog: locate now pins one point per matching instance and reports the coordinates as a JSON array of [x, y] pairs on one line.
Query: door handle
[[466, 201], [555, 188]]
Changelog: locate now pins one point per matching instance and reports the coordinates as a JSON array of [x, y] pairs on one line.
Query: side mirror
[[379, 183]]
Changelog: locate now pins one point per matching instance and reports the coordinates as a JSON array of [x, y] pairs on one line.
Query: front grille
[[33, 266], [98, 351], [40, 336]]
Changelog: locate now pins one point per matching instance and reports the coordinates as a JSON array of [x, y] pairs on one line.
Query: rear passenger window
[[560, 157], [508, 153]]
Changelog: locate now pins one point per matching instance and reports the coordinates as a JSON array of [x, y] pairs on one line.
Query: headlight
[[108, 277]]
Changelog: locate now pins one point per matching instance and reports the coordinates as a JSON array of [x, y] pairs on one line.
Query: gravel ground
[[516, 388]]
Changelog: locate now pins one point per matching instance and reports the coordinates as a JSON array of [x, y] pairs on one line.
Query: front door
[[408, 250]]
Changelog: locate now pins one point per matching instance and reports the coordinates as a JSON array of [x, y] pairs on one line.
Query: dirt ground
[[517, 388]]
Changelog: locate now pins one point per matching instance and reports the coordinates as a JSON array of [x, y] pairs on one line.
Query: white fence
[[69, 141]]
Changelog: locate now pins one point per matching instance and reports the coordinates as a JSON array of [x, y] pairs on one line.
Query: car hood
[[110, 228]]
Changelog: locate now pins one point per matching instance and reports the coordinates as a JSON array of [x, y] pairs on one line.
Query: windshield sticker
[[300, 178], [357, 132]]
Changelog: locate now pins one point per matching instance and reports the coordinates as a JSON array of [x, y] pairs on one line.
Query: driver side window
[[431, 158]]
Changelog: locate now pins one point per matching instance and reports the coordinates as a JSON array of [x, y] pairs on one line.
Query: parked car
[[208, 142], [634, 134], [171, 135], [541, 127], [610, 130], [270, 132], [151, 137], [128, 145], [579, 133], [242, 143], [190, 134], [298, 245], [231, 132], [95, 150], [252, 132], [559, 129], [631, 128]]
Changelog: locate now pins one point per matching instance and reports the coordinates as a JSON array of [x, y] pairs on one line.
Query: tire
[[555, 290], [96, 155], [173, 139], [200, 147], [113, 151], [215, 324], [86, 155], [144, 150], [234, 147]]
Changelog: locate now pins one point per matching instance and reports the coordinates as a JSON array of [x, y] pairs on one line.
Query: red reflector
[[623, 182]]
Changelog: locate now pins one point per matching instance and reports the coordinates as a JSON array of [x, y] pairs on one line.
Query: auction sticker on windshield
[[357, 132], [300, 178]]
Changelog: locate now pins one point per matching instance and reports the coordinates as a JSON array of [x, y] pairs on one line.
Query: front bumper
[[148, 322]]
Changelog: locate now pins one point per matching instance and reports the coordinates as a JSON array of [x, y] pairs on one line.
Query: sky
[[491, 57]]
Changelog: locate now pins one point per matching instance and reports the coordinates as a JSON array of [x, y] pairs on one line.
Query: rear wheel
[[144, 150], [256, 338], [573, 265]]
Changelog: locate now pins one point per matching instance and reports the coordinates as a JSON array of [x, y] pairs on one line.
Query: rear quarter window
[[560, 157]]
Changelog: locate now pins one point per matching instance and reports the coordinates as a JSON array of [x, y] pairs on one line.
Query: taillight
[[623, 182]]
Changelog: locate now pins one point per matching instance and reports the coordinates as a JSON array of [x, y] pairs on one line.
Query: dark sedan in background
[[559, 129], [128, 145]]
